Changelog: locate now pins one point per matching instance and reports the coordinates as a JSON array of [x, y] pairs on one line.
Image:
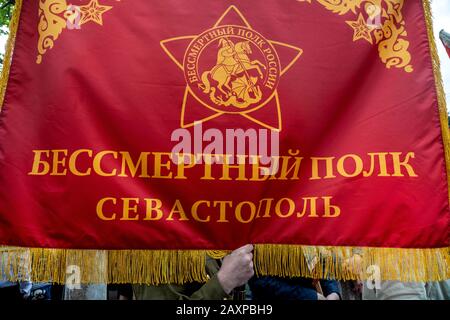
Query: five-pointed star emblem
[[272, 102], [93, 12], [361, 29]]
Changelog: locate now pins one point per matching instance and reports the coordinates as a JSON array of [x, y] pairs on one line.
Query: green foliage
[[6, 7]]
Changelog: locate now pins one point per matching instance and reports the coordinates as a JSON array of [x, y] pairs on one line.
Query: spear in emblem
[[241, 64]]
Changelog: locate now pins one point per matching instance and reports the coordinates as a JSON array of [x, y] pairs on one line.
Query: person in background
[[351, 290], [275, 288], [397, 290], [14, 291], [19, 290], [234, 271]]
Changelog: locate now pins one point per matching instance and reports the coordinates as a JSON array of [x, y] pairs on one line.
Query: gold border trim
[[10, 44], [155, 267], [442, 104]]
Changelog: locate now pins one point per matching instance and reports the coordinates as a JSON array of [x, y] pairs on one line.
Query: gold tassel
[[13, 26], [410, 265], [439, 87], [183, 266]]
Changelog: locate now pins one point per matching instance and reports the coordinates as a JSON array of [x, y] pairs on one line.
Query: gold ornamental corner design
[[57, 15], [230, 68], [379, 22]]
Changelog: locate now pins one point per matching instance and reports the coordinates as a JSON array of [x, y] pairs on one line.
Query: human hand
[[237, 268], [321, 297], [333, 296]]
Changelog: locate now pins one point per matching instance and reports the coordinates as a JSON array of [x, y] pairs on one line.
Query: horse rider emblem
[[234, 82], [238, 69], [231, 68]]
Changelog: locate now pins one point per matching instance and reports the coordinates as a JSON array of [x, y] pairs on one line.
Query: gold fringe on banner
[[13, 26], [352, 263], [183, 266], [442, 104], [103, 266]]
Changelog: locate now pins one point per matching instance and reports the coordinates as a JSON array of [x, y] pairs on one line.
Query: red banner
[[201, 125]]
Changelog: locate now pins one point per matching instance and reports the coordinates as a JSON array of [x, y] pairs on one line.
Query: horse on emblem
[[231, 73]]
